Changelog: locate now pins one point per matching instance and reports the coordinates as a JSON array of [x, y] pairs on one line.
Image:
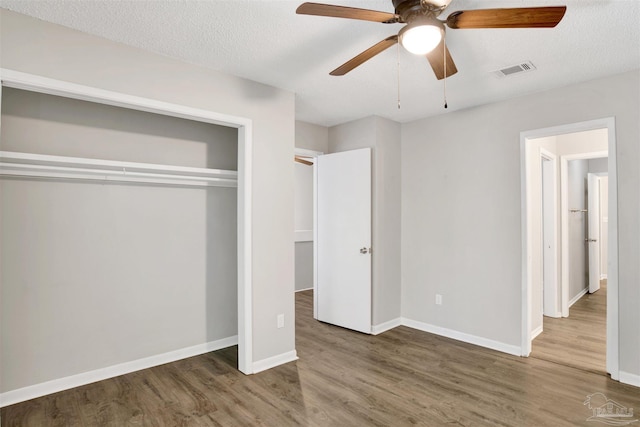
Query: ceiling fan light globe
[[422, 38]]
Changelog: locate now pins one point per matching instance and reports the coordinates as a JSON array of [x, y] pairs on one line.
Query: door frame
[[35, 83], [552, 288], [564, 203], [612, 354], [594, 201]]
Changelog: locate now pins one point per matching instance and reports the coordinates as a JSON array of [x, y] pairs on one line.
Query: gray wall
[[312, 137], [384, 137], [304, 265], [461, 233], [52, 51], [113, 272], [599, 165], [44, 124]]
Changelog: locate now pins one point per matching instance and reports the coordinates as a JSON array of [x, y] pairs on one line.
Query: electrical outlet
[[280, 321], [438, 299]]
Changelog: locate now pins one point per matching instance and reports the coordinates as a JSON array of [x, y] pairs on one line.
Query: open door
[[593, 239], [343, 239]]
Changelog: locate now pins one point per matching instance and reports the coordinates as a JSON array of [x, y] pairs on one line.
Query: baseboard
[[54, 386], [305, 289], [383, 327], [631, 379], [577, 297], [461, 336], [603, 277], [537, 331], [272, 362]]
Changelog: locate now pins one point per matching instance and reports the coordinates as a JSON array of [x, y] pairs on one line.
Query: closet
[[118, 237]]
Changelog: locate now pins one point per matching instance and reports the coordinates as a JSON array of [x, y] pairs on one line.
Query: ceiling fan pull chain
[[444, 80], [398, 63]]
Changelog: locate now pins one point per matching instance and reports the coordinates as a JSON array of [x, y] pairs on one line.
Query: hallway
[[579, 340]]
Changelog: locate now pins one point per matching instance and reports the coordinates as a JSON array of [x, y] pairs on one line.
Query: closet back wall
[[97, 274]]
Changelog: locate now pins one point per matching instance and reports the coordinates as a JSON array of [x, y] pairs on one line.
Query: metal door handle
[[365, 250], [591, 240]]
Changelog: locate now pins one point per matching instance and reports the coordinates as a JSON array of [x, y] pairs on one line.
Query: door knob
[[364, 250]]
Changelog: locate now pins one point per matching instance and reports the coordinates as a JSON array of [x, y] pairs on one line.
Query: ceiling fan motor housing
[[408, 10]]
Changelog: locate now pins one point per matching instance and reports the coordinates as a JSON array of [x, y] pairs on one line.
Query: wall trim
[[628, 378], [305, 289], [272, 362], [60, 384], [537, 331], [386, 326], [461, 336], [577, 297]]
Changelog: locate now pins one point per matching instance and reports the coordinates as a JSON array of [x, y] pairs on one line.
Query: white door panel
[[343, 239]]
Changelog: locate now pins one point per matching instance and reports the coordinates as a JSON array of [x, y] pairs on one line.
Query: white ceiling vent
[[515, 69]]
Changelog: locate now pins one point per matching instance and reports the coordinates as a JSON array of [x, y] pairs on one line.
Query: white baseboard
[[54, 386], [537, 331], [603, 277], [461, 336], [556, 315], [631, 379], [577, 297], [305, 289], [272, 362], [383, 327]]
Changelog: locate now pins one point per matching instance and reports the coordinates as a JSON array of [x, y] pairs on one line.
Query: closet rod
[[57, 167]]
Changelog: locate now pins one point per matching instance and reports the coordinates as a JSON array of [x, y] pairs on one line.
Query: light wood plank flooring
[[579, 340], [403, 377]]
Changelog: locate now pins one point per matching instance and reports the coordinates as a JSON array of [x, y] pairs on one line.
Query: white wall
[[461, 231], [384, 137], [36, 47]]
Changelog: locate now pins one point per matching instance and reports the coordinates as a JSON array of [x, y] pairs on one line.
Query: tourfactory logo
[[608, 411]]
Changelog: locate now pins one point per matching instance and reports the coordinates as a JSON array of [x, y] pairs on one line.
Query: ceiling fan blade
[[303, 161], [436, 59], [365, 56], [520, 17], [320, 9]]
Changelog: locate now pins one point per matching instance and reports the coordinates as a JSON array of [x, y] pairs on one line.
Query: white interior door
[[343, 239], [593, 239]]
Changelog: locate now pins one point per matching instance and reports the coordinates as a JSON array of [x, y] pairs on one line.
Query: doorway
[[532, 225]]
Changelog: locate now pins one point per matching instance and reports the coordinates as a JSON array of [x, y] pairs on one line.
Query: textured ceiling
[[265, 41]]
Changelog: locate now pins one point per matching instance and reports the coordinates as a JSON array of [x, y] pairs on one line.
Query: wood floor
[[579, 340], [403, 377]]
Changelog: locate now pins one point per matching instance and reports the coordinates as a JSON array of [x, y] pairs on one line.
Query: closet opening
[[125, 234]]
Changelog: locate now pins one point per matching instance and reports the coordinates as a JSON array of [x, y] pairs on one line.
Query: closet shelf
[[14, 164]]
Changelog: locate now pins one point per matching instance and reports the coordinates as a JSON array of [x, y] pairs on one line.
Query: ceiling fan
[[423, 33]]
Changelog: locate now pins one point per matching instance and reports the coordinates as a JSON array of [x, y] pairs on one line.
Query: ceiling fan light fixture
[[421, 36]]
